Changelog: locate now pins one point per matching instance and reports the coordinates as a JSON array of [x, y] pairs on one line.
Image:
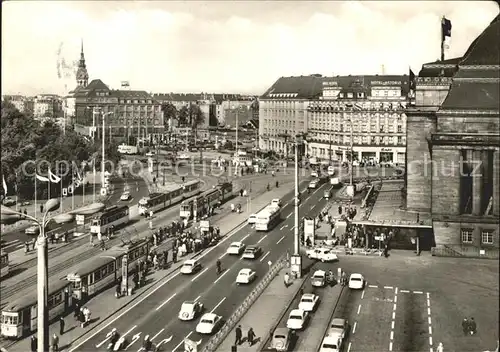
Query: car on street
[[209, 323], [297, 319], [338, 326], [281, 339], [322, 254], [245, 276], [308, 302], [313, 184], [328, 193], [319, 278], [356, 282], [150, 154], [252, 219], [190, 310], [314, 173], [183, 157], [8, 202], [236, 248], [276, 201], [32, 230], [125, 196], [252, 252], [190, 266], [331, 343]]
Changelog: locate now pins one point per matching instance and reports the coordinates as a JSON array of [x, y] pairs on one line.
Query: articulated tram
[[111, 217], [200, 204], [4, 263], [159, 201], [19, 318], [97, 274]]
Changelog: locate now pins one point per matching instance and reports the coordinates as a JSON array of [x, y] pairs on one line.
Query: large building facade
[[453, 146], [330, 110], [127, 113]]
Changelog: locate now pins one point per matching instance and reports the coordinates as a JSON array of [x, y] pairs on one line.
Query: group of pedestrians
[[469, 326], [239, 336]]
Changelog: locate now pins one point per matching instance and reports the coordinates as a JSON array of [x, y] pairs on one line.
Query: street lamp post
[[103, 161], [350, 187], [296, 265], [9, 216]]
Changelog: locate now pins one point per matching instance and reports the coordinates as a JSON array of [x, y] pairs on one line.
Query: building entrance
[[386, 157]]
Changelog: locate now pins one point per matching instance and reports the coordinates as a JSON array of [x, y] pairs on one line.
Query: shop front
[[386, 156], [368, 156]]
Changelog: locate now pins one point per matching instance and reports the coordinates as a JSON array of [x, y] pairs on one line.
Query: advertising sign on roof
[[330, 83], [386, 83]]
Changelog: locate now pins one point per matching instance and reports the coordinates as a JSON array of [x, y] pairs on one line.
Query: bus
[[127, 149], [268, 218], [4, 263]]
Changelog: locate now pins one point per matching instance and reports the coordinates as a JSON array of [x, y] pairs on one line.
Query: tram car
[[159, 201], [200, 204], [4, 263], [113, 216], [19, 317], [97, 274]]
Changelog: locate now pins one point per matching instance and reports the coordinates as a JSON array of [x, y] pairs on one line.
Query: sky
[[224, 46]]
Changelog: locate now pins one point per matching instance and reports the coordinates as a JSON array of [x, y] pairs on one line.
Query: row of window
[[361, 139], [467, 236], [357, 128]]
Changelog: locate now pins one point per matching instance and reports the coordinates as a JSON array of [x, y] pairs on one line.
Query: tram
[[159, 201], [200, 204], [97, 274], [19, 317], [111, 217], [4, 263]]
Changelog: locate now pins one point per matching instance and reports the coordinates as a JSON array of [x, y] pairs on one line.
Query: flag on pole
[[4, 185], [446, 27], [41, 178], [412, 80], [53, 178]]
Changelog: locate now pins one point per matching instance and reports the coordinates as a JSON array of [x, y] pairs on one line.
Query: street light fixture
[[350, 187], [9, 216], [296, 259]]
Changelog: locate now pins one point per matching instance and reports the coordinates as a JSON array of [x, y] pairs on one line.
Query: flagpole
[[442, 39]]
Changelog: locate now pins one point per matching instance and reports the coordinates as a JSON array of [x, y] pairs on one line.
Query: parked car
[[281, 339], [8, 202], [331, 343], [338, 326], [297, 319]]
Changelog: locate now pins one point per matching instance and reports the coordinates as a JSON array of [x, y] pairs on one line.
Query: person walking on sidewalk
[[61, 325], [250, 337], [237, 342], [286, 280], [55, 343], [440, 347], [34, 343]]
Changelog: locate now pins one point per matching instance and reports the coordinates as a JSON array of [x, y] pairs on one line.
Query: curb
[[330, 318]]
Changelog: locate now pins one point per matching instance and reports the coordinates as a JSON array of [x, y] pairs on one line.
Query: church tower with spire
[[82, 76]]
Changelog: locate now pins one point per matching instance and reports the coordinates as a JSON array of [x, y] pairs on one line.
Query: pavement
[[155, 313]]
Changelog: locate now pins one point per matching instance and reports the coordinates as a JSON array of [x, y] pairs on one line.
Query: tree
[[169, 113], [183, 116], [196, 116]]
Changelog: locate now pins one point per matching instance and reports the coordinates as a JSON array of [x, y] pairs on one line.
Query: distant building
[[325, 108], [22, 103], [47, 106], [453, 146]]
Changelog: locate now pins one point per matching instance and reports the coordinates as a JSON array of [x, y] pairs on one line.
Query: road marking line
[[395, 299], [354, 327], [405, 291], [390, 346], [363, 294], [359, 308], [108, 337], [281, 239], [220, 277], [180, 343], [282, 227], [293, 227], [262, 239], [428, 311], [393, 315], [265, 255], [389, 287], [394, 307], [430, 340], [393, 320], [218, 305], [312, 206], [349, 347], [429, 320], [197, 276], [418, 292], [373, 286], [135, 338], [430, 330], [392, 324], [392, 335], [168, 300], [159, 332], [20, 246], [222, 256], [128, 332], [197, 298], [289, 215], [396, 291], [244, 238]]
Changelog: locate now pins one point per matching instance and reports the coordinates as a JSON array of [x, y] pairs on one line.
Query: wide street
[[156, 315]]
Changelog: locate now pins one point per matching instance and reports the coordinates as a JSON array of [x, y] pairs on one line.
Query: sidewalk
[[263, 315], [106, 304]]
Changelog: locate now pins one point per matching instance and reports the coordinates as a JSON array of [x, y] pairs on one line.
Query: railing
[[460, 250], [219, 337]]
